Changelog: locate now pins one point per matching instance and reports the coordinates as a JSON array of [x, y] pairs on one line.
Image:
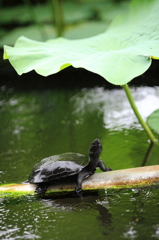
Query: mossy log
[[126, 178]]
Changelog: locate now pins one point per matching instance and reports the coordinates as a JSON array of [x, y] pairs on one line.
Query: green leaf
[[30, 31], [121, 53], [153, 120]]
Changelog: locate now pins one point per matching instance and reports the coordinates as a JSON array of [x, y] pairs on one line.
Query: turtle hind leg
[[41, 188], [80, 177]]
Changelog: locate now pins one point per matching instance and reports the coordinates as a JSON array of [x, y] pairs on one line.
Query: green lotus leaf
[[153, 120], [120, 54]]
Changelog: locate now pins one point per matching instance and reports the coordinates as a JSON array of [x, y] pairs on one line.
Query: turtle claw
[[79, 192], [109, 169], [40, 189]]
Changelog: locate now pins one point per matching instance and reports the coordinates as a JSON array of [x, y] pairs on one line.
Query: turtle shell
[[57, 167]]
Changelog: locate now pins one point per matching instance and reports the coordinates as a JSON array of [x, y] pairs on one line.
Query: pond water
[[38, 124]]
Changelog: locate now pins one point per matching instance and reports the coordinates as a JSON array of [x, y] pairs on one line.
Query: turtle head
[[95, 149]]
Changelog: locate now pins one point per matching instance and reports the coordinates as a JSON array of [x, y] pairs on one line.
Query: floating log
[[126, 178]]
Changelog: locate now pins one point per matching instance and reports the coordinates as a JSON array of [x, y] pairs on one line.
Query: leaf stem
[[34, 18], [57, 9], [139, 117]]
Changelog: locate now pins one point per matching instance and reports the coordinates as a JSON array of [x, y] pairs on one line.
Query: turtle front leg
[[102, 166]]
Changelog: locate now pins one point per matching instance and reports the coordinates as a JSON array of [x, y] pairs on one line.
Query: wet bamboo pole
[[126, 178]]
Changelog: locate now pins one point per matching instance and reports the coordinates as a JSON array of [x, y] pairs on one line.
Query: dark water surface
[[38, 124]]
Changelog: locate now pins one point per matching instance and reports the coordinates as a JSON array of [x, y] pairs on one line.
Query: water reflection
[[148, 154], [115, 106], [91, 203], [36, 125], [117, 214], [122, 213]]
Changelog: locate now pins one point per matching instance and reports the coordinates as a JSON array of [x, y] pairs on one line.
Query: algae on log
[[126, 178]]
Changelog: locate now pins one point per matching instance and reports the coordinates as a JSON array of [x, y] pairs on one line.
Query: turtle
[[66, 165]]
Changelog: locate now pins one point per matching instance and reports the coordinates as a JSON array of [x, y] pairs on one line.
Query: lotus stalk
[[139, 117]]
